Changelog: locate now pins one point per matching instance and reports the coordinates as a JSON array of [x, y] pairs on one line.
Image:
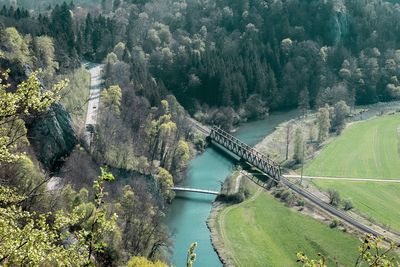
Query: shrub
[[347, 204], [285, 195], [199, 142], [334, 197], [300, 203], [334, 223], [278, 192]]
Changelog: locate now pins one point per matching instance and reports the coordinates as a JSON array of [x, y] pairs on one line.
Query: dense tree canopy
[[223, 53]]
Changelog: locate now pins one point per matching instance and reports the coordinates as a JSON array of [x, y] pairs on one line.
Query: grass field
[[263, 232], [367, 149], [379, 202]]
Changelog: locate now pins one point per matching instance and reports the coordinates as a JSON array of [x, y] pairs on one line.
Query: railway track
[[330, 209]]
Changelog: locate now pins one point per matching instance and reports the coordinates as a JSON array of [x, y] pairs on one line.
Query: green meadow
[[263, 232], [369, 149]]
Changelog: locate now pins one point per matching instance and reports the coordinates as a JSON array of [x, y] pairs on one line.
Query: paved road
[[94, 97], [345, 179]]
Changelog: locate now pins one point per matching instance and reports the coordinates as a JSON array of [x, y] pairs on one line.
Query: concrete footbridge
[[195, 190]]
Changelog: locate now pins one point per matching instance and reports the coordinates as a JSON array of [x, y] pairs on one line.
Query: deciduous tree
[[324, 123]]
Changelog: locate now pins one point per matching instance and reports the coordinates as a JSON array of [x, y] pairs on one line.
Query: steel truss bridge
[[246, 153]]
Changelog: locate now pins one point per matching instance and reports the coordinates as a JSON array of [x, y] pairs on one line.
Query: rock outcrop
[[339, 24], [52, 137]]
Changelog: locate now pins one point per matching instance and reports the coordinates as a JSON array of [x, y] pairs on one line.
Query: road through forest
[[94, 97]]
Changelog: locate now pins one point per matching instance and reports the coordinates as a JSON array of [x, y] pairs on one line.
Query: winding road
[[94, 99]]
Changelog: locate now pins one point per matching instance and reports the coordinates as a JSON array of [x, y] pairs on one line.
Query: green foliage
[[143, 233], [340, 112], [298, 152], [182, 154], [9, 196], [371, 253], [161, 133], [143, 262], [348, 204], [44, 51], [232, 57], [334, 197], [375, 254], [191, 255], [102, 224], [324, 123], [335, 223], [111, 99], [29, 239], [14, 47], [200, 142], [306, 262], [255, 107], [165, 183], [76, 94], [17, 105]]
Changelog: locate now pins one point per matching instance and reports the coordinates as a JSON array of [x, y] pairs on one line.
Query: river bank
[[188, 213]]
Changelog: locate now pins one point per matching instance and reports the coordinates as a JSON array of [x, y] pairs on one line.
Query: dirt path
[[347, 179]]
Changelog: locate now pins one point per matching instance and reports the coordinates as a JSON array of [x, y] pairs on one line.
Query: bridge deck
[[195, 190], [246, 152]]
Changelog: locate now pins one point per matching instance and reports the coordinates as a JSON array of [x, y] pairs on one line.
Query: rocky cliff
[[52, 137], [339, 24]]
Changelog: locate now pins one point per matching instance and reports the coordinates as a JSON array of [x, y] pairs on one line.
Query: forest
[[221, 62], [248, 56]]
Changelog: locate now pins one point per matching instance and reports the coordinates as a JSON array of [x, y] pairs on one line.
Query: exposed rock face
[[339, 23], [53, 137], [339, 27]]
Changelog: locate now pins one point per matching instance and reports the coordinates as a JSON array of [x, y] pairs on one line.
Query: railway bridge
[[246, 153]]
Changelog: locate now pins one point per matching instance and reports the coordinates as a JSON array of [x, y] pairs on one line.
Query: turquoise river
[[189, 211]]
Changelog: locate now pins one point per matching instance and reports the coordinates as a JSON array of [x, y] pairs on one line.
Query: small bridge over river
[[195, 190], [241, 150]]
